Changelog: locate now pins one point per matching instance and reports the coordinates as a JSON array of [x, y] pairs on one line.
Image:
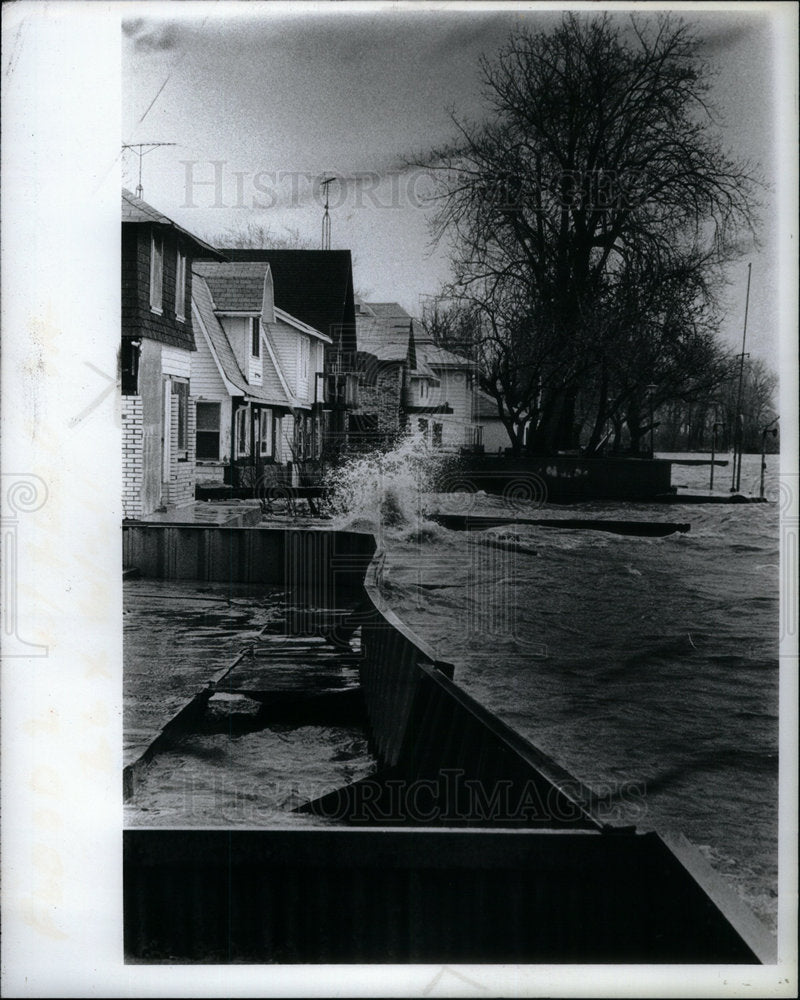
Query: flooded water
[[234, 765], [646, 666], [249, 779]]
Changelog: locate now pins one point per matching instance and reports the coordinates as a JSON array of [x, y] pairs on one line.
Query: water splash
[[388, 490]]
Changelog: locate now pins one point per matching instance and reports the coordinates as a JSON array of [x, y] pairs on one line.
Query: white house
[[256, 376], [158, 344]]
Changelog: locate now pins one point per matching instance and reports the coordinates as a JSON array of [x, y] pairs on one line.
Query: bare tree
[[251, 234], [600, 165]]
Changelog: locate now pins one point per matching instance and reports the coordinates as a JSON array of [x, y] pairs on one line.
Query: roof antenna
[[326, 219], [141, 149]]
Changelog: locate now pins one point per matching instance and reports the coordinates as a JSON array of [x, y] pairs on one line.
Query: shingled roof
[[386, 331], [439, 357], [235, 287], [271, 391], [375, 339], [137, 211], [316, 286], [388, 310]]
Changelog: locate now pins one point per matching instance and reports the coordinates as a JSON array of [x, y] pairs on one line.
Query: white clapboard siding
[[238, 330], [176, 361], [303, 378], [255, 369], [455, 392], [284, 341], [206, 380]]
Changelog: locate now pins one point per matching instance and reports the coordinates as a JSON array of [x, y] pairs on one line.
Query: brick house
[[439, 391], [256, 377], [158, 413], [387, 359]]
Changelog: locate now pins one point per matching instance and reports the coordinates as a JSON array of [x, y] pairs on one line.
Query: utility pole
[[141, 149], [764, 433], [738, 434]]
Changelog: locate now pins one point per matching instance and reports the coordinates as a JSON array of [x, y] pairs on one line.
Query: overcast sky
[[265, 101]]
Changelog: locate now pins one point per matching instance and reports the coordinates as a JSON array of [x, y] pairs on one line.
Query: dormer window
[[255, 336], [180, 287], [156, 273]]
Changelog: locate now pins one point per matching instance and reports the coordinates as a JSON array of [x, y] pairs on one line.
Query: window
[[180, 388], [156, 273], [180, 287], [255, 336], [243, 432], [207, 437], [265, 445], [437, 434], [423, 427]]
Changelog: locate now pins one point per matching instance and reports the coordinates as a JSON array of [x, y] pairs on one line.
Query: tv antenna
[[142, 149], [326, 219]]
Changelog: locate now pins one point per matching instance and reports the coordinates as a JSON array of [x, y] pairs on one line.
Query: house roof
[[238, 287], [379, 338], [137, 211], [485, 406], [235, 287], [298, 324], [388, 310], [439, 357], [316, 286], [271, 391], [386, 330]]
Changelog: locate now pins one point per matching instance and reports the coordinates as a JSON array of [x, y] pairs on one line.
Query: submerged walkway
[[179, 637], [188, 639]]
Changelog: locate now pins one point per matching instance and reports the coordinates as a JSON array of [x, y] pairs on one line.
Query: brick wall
[[132, 433], [383, 398], [180, 487]]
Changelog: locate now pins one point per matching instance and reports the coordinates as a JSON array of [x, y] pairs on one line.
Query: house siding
[[208, 387], [235, 328], [207, 382], [151, 391], [284, 343], [138, 319], [179, 488], [176, 361]]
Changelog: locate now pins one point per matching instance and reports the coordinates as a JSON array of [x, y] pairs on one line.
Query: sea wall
[[569, 479], [570, 889], [346, 896], [318, 560]]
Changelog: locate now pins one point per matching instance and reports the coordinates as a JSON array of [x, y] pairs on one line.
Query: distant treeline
[[689, 425]]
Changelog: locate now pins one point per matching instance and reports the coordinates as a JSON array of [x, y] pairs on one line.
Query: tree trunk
[[634, 422]]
